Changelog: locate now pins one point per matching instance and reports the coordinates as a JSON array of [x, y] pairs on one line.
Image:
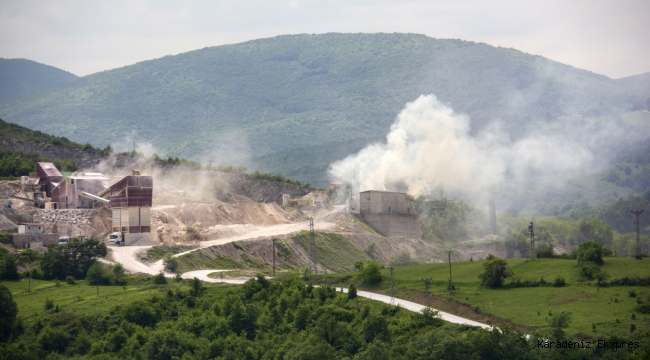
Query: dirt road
[[127, 254]]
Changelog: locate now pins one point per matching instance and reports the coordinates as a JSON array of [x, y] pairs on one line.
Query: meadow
[[595, 310]]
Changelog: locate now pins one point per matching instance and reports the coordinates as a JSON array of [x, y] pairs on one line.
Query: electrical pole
[[638, 239], [531, 230], [427, 293], [312, 246], [392, 287], [273, 240], [451, 284]]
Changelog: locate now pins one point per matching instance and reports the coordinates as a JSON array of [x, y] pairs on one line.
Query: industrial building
[[391, 213], [49, 177], [70, 193], [130, 201]]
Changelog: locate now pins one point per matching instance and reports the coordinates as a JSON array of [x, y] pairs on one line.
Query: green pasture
[[608, 308], [82, 299]]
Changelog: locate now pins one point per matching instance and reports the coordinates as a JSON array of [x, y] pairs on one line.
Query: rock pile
[[71, 216]]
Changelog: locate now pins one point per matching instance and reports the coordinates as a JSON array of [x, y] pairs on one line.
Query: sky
[[609, 37]]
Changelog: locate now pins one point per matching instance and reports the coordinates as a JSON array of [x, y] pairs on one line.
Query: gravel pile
[[71, 216]]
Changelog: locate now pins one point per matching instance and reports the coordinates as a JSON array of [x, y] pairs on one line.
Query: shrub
[[559, 282], [170, 263], [70, 280], [159, 279], [352, 292], [496, 270], [49, 304], [590, 251], [371, 272], [546, 252], [643, 309]]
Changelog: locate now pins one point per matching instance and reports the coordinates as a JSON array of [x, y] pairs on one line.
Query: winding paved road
[[127, 256]]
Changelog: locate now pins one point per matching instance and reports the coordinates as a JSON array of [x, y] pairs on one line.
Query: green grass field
[[82, 299], [531, 307]]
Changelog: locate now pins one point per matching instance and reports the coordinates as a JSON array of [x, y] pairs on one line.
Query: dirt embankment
[[189, 223]]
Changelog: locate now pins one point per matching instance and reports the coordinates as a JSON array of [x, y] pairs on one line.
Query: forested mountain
[[295, 103], [641, 82], [19, 77]]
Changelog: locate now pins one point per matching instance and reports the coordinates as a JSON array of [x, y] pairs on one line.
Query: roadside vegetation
[[525, 293], [261, 319]]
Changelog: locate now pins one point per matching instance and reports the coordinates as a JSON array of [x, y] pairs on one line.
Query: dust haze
[[431, 148]]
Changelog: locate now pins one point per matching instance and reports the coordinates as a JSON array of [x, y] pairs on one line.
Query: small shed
[[31, 228]]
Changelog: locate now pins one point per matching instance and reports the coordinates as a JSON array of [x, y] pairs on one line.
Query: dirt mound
[[207, 215]]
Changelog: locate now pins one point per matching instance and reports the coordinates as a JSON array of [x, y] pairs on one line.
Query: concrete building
[[391, 213], [31, 228]]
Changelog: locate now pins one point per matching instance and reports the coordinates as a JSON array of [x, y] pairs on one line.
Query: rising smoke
[[430, 147]]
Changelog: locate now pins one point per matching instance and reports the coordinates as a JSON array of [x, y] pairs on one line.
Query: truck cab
[[116, 238], [64, 240]]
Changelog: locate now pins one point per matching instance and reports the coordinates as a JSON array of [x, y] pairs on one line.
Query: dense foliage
[[278, 320], [71, 259], [21, 77]]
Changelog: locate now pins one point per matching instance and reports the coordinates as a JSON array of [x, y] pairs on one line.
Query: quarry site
[[201, 216]]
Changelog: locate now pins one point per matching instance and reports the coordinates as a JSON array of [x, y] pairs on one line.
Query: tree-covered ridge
[[277, 320], [21, 77], [296, 91]]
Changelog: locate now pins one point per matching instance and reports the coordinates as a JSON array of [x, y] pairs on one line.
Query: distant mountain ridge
[[290, 96], [20, 77]]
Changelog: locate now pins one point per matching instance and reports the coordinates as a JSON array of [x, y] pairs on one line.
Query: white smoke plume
[[431, 147]]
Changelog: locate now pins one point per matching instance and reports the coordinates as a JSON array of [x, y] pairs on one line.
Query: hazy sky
[[611, 37]]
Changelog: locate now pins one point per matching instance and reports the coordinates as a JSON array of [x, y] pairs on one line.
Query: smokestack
[[493, 217]]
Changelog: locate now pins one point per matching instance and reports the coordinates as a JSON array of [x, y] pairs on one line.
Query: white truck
[[116, 238]]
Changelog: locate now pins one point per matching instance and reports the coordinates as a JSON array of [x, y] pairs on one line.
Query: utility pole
[[392, 287], [97, 282], [638, 239], [427, 293], [312, 246], [273, 240], [451, 284], [531, 230]]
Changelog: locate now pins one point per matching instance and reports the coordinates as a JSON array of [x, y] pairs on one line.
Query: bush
[[49, 304], [591, 271], [159, 279], [371, 272], [170, 263], [545, 253], [496, 270], [559, 282], [590, 251], [70, 280]]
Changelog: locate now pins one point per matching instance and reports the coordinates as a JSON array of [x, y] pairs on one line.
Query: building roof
[[49, 169], [384, 191], [32, 224]]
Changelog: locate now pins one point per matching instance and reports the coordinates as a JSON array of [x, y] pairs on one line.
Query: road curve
[[408, 305], [127, 256]]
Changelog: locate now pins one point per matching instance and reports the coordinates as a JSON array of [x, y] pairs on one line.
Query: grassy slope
[[333, 251], [80, 299], [585, 301]]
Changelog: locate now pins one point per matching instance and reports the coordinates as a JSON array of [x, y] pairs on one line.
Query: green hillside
[[277, 97], [20, 77]]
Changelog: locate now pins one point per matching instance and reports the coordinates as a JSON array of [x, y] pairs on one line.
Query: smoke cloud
[[430, 147]]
